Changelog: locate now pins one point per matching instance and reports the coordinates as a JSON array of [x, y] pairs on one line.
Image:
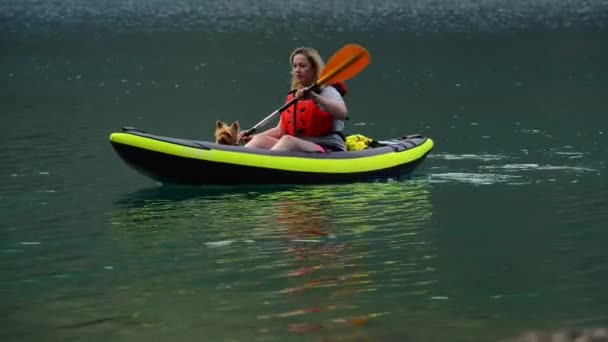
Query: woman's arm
[[336, 108], [329, 99], [274, 132]]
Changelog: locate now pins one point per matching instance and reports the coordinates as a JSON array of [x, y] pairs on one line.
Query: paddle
[[345, 64]]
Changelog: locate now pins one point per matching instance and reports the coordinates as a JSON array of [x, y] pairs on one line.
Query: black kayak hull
[[189, 162]]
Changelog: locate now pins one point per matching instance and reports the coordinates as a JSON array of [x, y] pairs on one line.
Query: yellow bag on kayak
[[357, 142]]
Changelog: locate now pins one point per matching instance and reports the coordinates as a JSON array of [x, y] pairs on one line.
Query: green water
[[500, 231]]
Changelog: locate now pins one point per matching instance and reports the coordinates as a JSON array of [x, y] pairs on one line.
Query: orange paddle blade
[[345, 64]]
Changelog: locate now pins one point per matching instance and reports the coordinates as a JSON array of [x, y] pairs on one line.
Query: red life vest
[[306, 118]]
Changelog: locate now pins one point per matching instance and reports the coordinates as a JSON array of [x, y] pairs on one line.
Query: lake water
[[501, 230]]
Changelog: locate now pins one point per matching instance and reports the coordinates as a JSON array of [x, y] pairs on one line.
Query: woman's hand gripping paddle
[[345, 64]]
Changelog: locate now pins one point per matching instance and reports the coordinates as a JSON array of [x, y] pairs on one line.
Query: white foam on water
[[472, 178], [532, 131], [569, 153], [520, 183], [222, 243], [483, 157], [525, 167], [567, 168], [510, 167]]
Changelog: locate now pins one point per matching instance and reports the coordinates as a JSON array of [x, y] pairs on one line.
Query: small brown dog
[[227, 135]]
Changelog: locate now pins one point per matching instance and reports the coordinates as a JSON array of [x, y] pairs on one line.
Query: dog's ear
[[219, 124], [235, 125]]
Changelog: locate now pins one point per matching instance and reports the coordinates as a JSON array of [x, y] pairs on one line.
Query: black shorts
[[331, 148]]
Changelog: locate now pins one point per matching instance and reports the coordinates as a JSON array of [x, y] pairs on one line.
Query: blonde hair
[[314, 59]]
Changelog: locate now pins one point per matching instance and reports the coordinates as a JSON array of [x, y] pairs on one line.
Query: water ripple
[[307, 258], [400, 15]]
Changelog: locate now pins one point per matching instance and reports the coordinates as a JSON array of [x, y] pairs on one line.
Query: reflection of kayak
[[193, 162]]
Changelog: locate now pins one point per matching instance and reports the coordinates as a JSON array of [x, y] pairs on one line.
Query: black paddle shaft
[[275, 113]]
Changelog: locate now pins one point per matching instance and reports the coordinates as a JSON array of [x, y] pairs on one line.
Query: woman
[[315, 122]]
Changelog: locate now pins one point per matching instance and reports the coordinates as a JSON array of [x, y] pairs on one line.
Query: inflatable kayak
[[193, 162]]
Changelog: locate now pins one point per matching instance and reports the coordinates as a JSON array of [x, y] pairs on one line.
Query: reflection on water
[[306, 261], [373, 261]]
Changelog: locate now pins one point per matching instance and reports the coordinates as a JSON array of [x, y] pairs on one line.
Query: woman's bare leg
[[262, 141], [291, 143]]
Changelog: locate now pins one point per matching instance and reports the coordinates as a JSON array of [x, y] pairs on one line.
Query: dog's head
[[227, 135]]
